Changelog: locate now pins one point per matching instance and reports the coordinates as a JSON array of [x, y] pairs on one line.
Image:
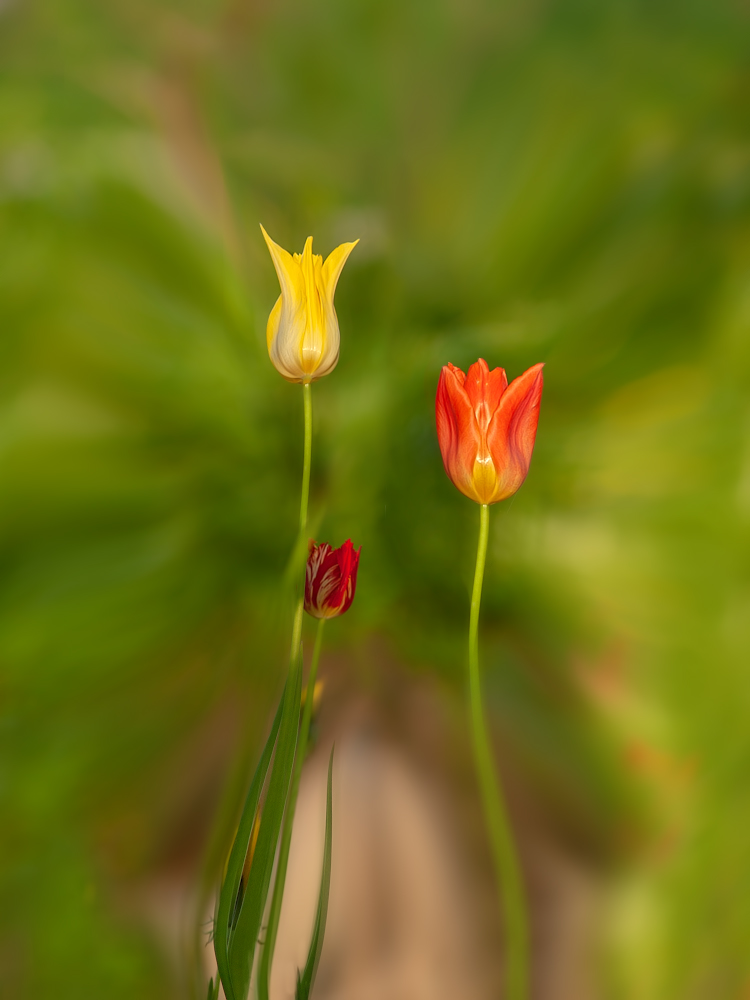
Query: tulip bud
[[330, 579], [486, 428], [303, 330]]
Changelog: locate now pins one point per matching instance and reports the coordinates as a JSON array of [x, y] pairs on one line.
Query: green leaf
[[246, 930], [213, 989], [306, 980], [231, 887]]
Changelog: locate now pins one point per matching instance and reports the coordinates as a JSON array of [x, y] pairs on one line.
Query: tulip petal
[[485, 389], [512, 432], [333, 267], [458, 433], [328, 276], [286, 324], [348, 561], [288, 270], [312, 344], [274, 320]]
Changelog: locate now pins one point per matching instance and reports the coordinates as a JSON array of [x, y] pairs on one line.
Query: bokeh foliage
[[562, 181]]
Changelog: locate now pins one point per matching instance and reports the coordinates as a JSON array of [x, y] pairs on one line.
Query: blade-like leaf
[[306, 980], [213, 989], [231, 885], [247, 927]]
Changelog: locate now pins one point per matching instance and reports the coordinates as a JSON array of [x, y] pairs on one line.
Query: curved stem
[[286, 837], [507, 869]]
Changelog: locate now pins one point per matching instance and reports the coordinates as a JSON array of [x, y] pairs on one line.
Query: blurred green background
[[564, 181]]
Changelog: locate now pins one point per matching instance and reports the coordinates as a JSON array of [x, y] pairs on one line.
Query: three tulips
[[486, 430]]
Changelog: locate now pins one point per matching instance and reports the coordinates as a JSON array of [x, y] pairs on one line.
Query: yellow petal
[[272, 328], [314, 339], [334, 265], [288, 270]]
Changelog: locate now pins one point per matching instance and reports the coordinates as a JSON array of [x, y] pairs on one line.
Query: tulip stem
[[507, 868], [307, 400], [264, 972], [266, 959]]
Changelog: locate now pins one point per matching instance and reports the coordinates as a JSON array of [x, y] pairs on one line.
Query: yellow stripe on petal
[[313, 341]]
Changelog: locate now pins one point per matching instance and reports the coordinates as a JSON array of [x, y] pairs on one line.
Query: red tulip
[[330, 579], [486, 428]]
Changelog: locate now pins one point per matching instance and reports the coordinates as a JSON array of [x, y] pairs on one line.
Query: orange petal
[[485, 389], [458, 433], [512, 431]]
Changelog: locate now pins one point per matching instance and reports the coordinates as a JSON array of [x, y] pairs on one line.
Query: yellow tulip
[[303, 331]]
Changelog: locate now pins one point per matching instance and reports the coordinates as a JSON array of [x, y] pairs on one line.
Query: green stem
[[307, 400], [507, 868], [286, 837], [264, 971], [296, 648]]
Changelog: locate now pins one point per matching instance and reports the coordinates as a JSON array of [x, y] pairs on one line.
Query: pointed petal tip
[[334, 264], [480, 365], [275, 249], [349, 246], [537, 371], [458, 374]]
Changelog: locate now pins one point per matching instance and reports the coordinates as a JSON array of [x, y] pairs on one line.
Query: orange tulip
[[487, 428]]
